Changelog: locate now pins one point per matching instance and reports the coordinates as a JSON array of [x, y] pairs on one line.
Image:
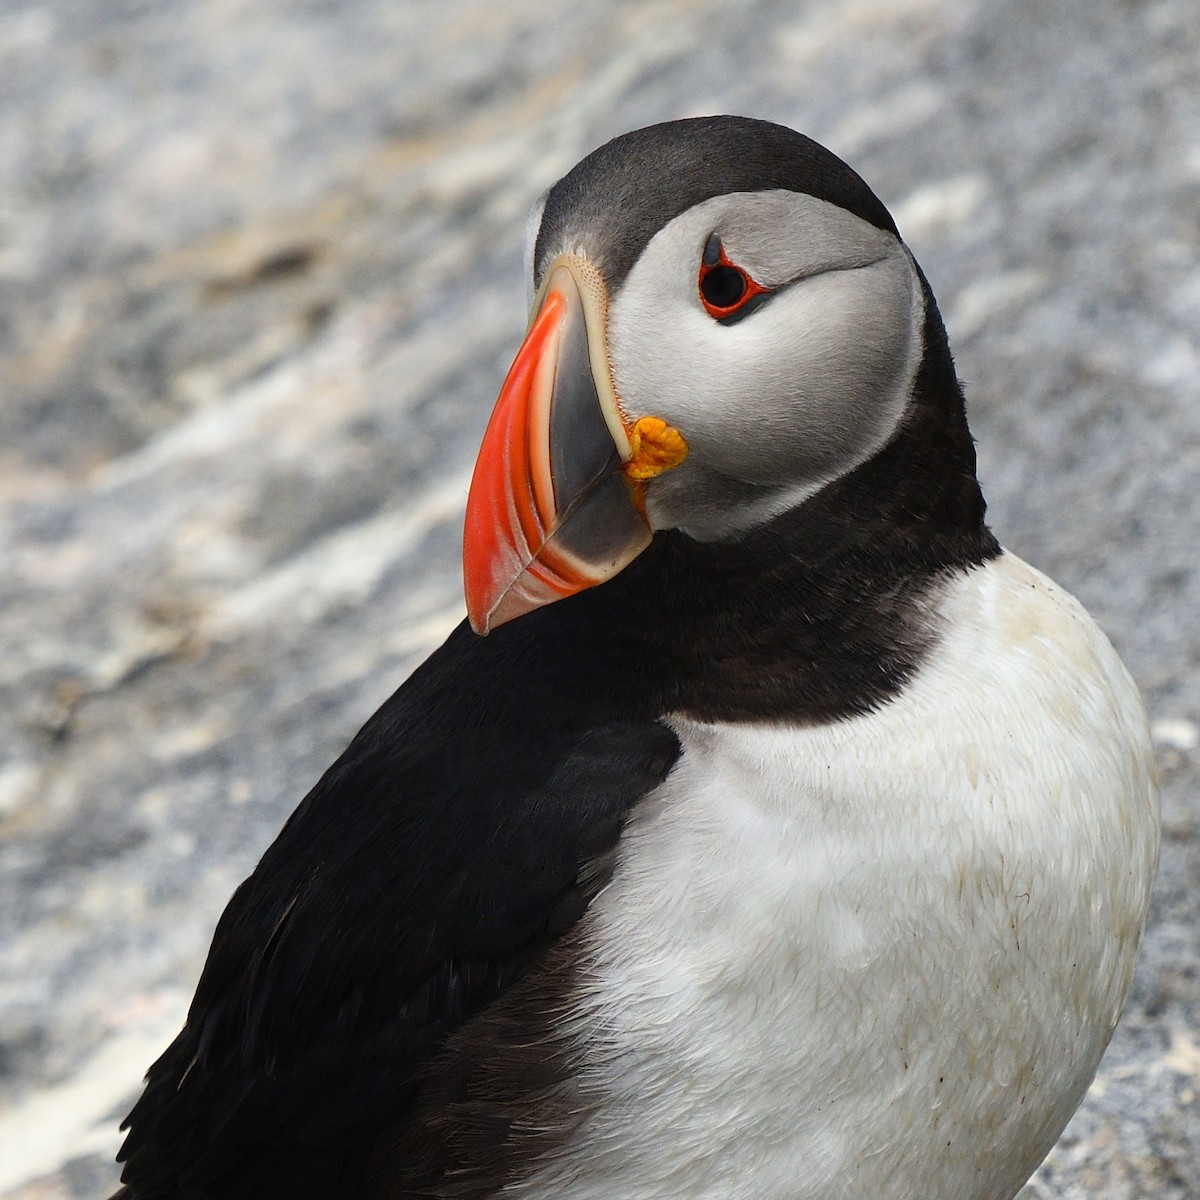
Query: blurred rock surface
[[259, 282]]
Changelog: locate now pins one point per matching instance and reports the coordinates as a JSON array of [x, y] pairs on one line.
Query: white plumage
[[939, 904]]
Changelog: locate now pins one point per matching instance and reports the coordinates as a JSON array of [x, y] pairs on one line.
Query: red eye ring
[[724, 287]]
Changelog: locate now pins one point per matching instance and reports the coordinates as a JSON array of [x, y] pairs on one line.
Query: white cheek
[[796, 393], [658, 345]]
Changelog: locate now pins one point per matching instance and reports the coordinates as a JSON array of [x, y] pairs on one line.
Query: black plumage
[[466, 827], [462, 831], [615, 200]]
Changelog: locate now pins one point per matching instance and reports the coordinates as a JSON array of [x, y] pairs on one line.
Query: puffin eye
[[722, 287], [725, 288]]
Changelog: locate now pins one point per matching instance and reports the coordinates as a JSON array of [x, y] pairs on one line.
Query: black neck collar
[[818, 614]]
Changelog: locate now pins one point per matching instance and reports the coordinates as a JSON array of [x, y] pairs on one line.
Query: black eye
[[723, 286]]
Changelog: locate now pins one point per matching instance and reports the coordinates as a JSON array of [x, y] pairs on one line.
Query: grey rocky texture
[[259, 282]]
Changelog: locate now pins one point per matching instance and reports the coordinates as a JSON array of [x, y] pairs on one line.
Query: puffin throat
[[817, 614]]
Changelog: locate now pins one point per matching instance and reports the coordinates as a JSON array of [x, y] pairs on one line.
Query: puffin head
[[725, 322]]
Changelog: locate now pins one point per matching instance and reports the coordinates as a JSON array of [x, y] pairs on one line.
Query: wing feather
[[456, 839]]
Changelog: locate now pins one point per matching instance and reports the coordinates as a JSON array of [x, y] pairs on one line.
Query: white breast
[[877, 959]]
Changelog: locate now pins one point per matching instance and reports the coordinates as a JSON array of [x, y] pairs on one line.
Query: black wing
[[462, 832]]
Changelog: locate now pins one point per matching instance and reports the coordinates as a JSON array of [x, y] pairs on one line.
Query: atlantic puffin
[[766, 833]]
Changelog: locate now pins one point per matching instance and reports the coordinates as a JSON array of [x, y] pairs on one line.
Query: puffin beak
[[555, 503]]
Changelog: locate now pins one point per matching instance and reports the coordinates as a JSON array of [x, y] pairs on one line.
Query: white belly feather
[[877, 959]]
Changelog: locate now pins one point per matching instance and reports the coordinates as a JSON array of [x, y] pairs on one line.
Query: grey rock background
[[259, 284]]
